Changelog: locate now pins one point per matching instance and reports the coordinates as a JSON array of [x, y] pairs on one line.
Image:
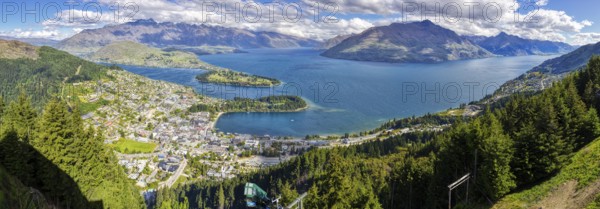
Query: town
[[160, 144]]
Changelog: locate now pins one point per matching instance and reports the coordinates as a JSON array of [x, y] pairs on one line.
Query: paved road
[[152, 175], [169, 183]]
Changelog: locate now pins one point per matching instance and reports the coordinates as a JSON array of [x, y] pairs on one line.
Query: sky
[[575, 21]]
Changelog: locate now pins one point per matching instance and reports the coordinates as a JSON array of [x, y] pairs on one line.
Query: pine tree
[[497, 152], [221, 196], [15, 130], [313, 199], [2, 107], [336, 185], [50, 142], [22, 117], [288, 194], [55, 133]]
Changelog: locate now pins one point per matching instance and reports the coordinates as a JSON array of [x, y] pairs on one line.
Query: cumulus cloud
[[489, 18], [322, 19], [585, 38], [46, 32], [541, 2]]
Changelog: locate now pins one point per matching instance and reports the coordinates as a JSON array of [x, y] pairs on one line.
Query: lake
[[346, 96]]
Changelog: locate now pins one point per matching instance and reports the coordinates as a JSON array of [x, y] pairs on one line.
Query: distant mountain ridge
[[11, 49], [327, 44], [32, 41], [510, 45], [407, 42], [168, 34], [544, 75], [569, 62], [427, 42]]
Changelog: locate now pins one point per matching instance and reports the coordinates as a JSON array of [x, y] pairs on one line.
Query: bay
[[346, 96]]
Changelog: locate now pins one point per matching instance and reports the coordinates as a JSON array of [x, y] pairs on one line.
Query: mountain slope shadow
[[30, 180]]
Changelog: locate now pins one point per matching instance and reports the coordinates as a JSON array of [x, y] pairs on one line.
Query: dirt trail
[[566, 196]]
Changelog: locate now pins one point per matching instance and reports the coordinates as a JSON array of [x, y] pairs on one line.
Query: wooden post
[[456, 184], [450, 199]]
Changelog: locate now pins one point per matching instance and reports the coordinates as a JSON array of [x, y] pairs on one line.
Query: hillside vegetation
[[42, 75], [550, 71], [575, 186], [13, 194], [237, 79], [44, 145], [55, 154], [510, 148], [263, 104]]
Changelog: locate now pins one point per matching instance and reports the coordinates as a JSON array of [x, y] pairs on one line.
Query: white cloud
[[541, 2], [540, 24], [585, 38], [47, 33], [487, 17]]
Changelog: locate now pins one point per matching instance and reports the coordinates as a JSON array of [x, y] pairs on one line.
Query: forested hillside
[[42, 76], [54, 154], [513, 146]]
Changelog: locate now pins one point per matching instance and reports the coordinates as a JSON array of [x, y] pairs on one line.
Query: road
[[152, 175], [169, 183]]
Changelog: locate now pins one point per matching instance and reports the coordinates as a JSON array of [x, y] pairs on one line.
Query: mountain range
[[510, 45], [407, 42], [570, 61], [427, 42], [550, 71], [399, 42], [327, 44], [167, 34]]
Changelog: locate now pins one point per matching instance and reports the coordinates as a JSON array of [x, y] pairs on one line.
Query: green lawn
[[92, 106], [127, 146]]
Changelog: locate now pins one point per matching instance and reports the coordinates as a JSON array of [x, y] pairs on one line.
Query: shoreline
[[219, 114], [200, 67], [214, 123], [108, 63]]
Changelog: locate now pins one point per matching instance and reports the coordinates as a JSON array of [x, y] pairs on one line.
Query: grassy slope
[[583, 173], [15, 50], [131, 53]]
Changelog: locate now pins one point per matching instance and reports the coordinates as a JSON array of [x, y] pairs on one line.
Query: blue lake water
[[346, 96]]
